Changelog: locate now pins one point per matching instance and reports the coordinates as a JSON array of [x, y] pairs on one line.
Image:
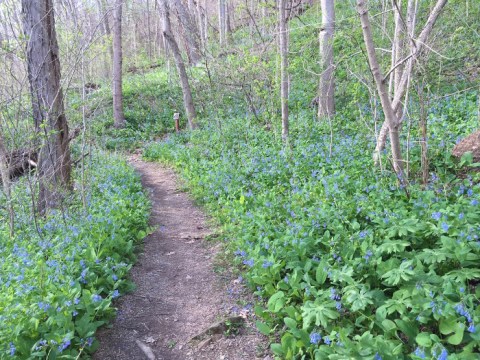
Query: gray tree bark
[[149, 33], [282, 21], [187, 93], [190, 32], [206, 22], [201, 27], [54, 164], [398, 47], [416, 49], [390, 117], [222, 22], [326, 100], [118, 116]]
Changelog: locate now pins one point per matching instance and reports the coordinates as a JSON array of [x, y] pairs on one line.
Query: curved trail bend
[[178, 295]]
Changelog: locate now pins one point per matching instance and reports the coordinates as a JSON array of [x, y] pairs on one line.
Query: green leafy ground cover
[[59, 276], [346, 263]]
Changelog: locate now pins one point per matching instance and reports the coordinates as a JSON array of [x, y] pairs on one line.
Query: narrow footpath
[[178, 295]]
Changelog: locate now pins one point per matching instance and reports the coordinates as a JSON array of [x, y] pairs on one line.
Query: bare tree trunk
[[190, 32], [282, 21], [187, 94], [326, 100], [206, 23], [398, 47], [54, 164], [390, 118], [201, 26], [411, 18], [228, 20], [222, 28], [118, 116], [416, 48], [264, 18], [149, 33]]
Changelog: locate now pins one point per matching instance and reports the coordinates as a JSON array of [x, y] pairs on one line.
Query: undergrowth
[[347, 263], [60, 275]]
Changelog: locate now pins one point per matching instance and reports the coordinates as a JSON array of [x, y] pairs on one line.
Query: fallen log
[[21, 161]]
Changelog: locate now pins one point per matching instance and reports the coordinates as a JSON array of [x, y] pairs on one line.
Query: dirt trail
[[178, 294]]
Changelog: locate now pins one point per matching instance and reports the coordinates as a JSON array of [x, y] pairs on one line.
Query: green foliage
[[60, 275], [149, 103], [347, 263]]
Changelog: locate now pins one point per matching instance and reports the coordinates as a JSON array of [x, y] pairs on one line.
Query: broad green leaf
[[457, 337], [277, 349], [292, 324], [288, 343], [276, 301], [423, 339], [447, 326], [263, 328], [321, 274], [388, 325]]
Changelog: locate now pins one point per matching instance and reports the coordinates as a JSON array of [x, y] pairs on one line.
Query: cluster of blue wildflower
[[316, 226], [69, 266]]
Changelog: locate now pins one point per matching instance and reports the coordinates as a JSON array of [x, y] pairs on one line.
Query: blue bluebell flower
[[267, 264], [315, 338], [437, 215], [368, 255], [65, 344], [443, 355], [249, 262], [471, 328], [420, 353]]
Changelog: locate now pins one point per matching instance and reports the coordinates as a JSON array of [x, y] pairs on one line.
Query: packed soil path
[[178, 294]]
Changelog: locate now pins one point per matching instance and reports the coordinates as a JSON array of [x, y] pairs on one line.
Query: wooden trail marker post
[[176, 117]]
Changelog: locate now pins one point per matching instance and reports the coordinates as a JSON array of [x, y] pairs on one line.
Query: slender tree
[[200, 24], [149, 32], [207, 23], [390, 117], [118, 116], [283, 67], [187, 93], [190, 31], [54, 164], [326, 101], [222, 22], [403, 69]]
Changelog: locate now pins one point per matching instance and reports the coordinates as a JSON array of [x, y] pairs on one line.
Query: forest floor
[[180, 292]]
